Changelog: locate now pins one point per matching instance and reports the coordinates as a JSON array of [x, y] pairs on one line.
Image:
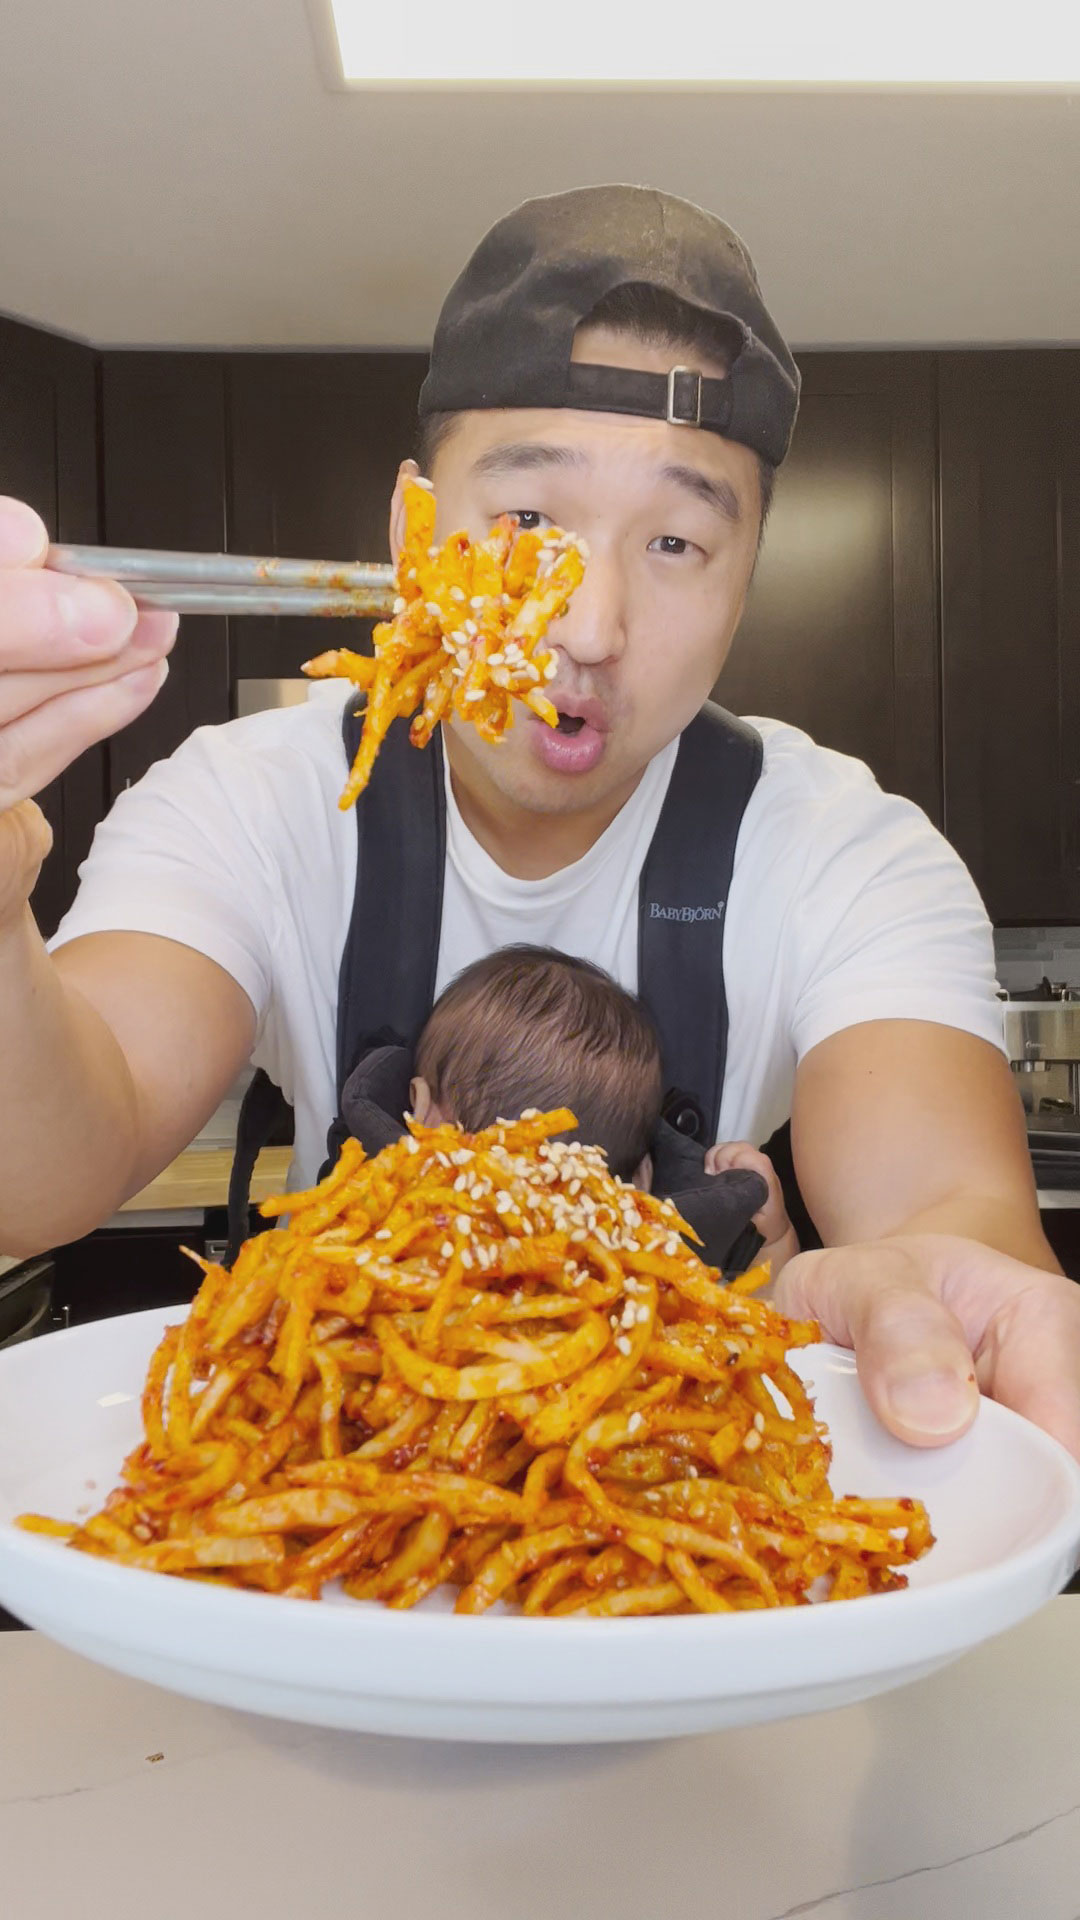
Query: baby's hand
[[772, 1222]]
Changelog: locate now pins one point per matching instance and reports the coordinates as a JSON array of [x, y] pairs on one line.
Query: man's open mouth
[[578, 741]]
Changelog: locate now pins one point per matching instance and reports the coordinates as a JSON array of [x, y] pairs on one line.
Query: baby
[[530, 1027]]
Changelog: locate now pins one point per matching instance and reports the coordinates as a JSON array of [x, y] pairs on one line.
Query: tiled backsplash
[[1025, 954]]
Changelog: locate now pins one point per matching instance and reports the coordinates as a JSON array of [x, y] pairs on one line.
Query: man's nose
[[593, 628]]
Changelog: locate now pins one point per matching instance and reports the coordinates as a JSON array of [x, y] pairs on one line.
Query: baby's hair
[[531, 1027]]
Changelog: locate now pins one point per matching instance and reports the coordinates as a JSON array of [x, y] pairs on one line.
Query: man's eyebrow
[[526, 456], [718, 494]]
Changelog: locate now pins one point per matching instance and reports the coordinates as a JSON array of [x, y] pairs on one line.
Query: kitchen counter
[[957, 1796], [199, 1178]]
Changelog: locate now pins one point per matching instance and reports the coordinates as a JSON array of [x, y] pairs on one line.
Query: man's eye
[[669, 543]]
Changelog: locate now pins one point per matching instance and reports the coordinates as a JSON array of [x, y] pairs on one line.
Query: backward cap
[[505, 335]]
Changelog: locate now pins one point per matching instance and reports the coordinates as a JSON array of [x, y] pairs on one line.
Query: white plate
[[1004, 1503]]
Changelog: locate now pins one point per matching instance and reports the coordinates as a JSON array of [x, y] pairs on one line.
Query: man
[[858, 962]]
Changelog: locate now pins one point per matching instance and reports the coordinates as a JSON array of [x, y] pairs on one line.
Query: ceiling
[[182, 174]]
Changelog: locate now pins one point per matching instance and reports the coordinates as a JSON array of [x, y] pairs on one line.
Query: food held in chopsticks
[[481, 1361], [466, 634]]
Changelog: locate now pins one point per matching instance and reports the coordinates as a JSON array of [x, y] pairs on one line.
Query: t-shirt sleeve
[[179, 856], [887, 925]]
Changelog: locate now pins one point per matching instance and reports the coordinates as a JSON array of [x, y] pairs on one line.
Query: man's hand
[[77, 662], [934, 1319]]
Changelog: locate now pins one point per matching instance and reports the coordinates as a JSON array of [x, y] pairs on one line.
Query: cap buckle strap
[[681, 415]]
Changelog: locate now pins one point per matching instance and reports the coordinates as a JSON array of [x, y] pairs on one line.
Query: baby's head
[[529, 1027]]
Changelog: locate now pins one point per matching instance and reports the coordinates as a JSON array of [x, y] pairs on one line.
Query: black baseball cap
[[506, 330]]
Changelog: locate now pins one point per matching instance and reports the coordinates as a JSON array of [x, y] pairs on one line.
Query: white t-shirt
[[845, 904]]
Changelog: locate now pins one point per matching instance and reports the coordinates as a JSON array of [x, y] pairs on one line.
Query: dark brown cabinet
[[48, 457], [316, 440], [1010, 597], [840, 635], [164, 484]]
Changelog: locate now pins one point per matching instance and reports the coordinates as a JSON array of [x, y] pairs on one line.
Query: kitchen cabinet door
[[163, 472], [48, 457], [840, 634], [316, 442], [1010, 596]]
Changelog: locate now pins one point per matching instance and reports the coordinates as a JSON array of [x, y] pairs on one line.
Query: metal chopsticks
[[228, 583]]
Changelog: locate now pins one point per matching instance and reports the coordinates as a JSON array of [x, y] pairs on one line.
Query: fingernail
[[146, 681], [932, 1402], [22, 536], [96, 615]]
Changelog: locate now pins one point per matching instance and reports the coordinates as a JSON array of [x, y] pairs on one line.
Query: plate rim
[[1012, 1571]]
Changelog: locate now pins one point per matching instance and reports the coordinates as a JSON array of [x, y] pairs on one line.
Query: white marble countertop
[[954, 1799]]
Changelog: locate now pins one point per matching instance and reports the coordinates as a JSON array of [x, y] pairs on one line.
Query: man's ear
[[643, 1174], [422, 1104], [408, 470]]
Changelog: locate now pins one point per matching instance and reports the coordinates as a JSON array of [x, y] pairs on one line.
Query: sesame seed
[[623, 1343], [447, 1249], [503, 1202], [759, 1422], [495, 659], [433, 608], [475, 693], [692, 1473], [629, 1314], [460, 1183], [635, 1421], [457, 593], [551, 670], [466, 1257], [517, 1299], [411, 1145], [642, 1314], [463, 1223], [400, 604], [752, 1441], [477, 602], [384, 1233]]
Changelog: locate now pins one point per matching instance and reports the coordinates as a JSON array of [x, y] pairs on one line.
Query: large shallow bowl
[[1004, 1503]]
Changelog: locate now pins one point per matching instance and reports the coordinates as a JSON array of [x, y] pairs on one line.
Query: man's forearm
[[68, 1112], [1009, 1225]]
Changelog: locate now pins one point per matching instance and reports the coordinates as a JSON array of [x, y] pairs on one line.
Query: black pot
[[25, 1301]]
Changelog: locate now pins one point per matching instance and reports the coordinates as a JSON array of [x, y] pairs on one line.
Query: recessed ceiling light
[[689, 44]]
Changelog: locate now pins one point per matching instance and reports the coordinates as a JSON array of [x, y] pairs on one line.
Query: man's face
[[670, 516]]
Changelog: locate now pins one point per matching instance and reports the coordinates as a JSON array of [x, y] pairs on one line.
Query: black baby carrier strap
[[386, 982], [389, 962]]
